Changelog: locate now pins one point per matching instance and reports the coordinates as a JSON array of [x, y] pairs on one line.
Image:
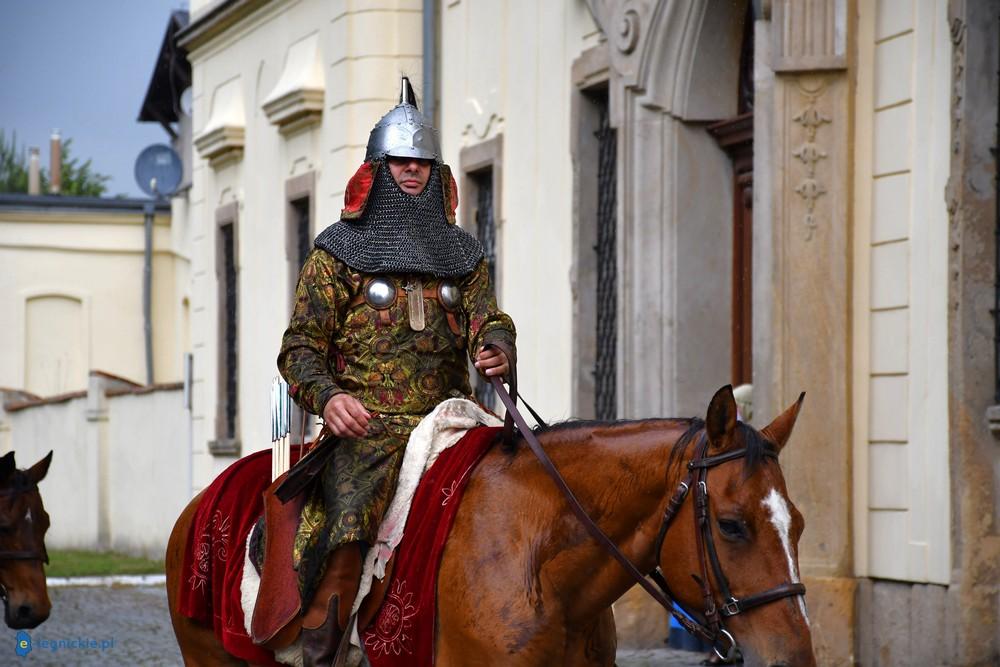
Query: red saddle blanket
[[213, 561], [402, 632]]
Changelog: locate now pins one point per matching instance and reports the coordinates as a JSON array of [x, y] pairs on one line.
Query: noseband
[[713, 629], [23, 554]]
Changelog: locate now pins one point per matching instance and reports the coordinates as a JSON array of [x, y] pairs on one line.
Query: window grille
[[303, 232], [605, 364], [230, 329]]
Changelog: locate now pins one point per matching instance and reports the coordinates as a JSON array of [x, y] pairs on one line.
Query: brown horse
[[522, 583], [23, 522]]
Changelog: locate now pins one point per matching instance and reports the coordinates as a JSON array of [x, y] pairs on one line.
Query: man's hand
[[492, 362], [346, 417]]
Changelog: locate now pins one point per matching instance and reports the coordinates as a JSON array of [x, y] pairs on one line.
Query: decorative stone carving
[[810, 153], [627, 35]]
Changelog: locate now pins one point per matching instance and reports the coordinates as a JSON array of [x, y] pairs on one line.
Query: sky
[[82, 66]]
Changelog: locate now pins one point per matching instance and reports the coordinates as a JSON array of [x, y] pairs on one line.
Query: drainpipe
[[149, 210], [430, 60]]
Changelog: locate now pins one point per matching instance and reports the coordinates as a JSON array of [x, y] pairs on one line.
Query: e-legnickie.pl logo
[[23, 644]]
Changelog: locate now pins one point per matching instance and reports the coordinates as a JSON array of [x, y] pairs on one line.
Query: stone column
[[802, 294], [973, 606]]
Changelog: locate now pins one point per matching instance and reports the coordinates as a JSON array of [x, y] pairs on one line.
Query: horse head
[[23, 522], [738, 569]]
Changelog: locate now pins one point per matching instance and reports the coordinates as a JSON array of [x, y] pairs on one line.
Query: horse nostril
[[23, 612]]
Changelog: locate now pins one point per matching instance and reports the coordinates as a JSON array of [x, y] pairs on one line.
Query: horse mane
[[17, 481], [574, 424], [758, 447]]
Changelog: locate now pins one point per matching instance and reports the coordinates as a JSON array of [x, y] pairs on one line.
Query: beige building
[[795, 195], [283, 96], [791, 194], [71, 291]]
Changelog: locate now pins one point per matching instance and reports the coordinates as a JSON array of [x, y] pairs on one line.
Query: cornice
[[215, 21], [221, 145]]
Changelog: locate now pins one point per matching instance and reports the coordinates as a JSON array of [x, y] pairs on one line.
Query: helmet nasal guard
[[404, 132]]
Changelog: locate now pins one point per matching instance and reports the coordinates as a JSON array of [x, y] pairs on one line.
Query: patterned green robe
[[336, 342]]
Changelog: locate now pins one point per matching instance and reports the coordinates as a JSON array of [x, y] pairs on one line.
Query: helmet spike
[[406, 94]]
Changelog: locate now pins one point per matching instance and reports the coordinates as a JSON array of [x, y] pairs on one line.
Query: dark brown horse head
[[23, 522], [755, 530]]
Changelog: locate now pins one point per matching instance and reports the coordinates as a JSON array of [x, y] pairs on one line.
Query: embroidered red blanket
[[213, 561], [402, 633]]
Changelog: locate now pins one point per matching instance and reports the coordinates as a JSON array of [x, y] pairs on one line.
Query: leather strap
[[581, 514]]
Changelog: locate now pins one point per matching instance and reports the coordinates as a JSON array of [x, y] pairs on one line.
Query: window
[[595, 261], [227, 274], [481, 172], [299, 196], [606, 334]]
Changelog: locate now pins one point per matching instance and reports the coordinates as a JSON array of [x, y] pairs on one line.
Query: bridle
[[33, 553], [713, 628]]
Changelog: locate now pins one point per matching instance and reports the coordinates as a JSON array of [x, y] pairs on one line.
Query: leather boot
[[325, 621]]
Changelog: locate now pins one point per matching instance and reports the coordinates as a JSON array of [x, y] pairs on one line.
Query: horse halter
[[697, 477], [713, 628], [23, 554]]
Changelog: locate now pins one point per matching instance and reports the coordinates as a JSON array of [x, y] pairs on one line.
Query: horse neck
[[619, 474]]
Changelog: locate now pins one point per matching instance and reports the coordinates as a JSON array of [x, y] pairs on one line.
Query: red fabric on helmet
[[358, 189], [450, 193]]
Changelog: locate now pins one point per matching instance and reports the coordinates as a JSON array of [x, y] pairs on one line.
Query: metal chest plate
[[380, 293], [450, 295]]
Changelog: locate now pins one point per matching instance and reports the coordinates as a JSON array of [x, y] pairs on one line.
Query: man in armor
[[388, 304]]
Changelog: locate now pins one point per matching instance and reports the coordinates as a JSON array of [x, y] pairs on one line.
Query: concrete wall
[[120, 467]]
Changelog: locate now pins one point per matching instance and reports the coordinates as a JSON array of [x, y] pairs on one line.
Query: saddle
[[277, 616]]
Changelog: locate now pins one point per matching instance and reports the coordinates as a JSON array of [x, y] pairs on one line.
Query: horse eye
[[732, 529]]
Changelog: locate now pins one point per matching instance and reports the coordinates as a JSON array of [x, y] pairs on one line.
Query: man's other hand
[[346, 417], [492, 361]]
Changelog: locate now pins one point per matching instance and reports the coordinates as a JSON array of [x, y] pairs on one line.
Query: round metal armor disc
[[380, 293], [451, 296]]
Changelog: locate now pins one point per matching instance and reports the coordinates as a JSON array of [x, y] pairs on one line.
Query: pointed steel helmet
[[404, 132]]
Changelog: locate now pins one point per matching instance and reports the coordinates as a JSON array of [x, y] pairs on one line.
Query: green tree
[[77, 179], [80, 179], [13, 166]]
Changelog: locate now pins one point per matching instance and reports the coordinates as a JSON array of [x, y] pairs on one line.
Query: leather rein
[[713, 628], [23, 554]]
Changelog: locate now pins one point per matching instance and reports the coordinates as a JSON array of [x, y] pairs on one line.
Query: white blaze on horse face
[[781, 519], [27, 516]]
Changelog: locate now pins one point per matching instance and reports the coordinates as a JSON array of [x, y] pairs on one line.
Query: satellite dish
[[158, 170]]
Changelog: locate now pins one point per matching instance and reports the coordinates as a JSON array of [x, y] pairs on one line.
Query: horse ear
[[37, 472], [779, 430], [7, 465], [721, 419]]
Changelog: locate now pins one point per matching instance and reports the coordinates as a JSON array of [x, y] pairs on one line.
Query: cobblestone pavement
[[135, 619]]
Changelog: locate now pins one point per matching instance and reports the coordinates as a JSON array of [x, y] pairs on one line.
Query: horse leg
[[198, 643]]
